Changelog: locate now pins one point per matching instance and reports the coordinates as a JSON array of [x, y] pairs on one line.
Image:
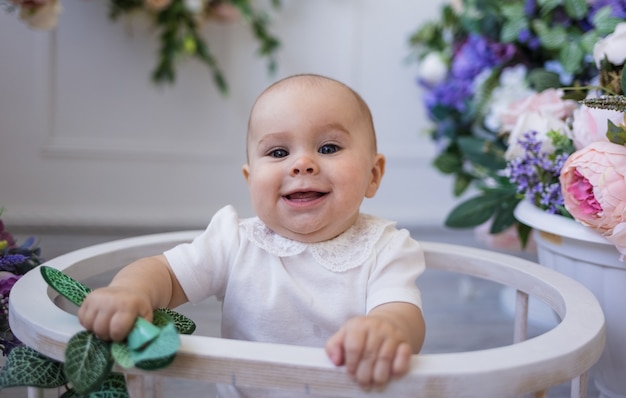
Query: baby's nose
[[304, 165]]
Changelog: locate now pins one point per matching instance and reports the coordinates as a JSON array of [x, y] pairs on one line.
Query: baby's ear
[[246, 171], [378, 170]]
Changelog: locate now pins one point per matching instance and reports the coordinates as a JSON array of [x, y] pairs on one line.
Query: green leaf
[[113, 387], [142, 334], [183, 324], [67, 287], [461, 183], [511, 30], [571, 56], [550, 38], [88, 361], [27, 367], [473, 212], [481, 152], [523, 231], [448, 163], [604, 21], [163, 346], [588, 40], [577, 9], [504, 217], [548, 5], [154, 364], [541, 79], [121, 355], [616, 134]]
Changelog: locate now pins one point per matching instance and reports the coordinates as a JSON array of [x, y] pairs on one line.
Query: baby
[[310, 269]]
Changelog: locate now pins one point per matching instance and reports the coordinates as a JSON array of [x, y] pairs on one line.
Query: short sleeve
[[400, 261], [202, 266]]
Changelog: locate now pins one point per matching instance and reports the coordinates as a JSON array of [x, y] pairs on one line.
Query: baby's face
[[311, 160]]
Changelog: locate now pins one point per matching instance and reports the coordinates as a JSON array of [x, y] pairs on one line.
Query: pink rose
[[591, 124], [547, 102], [593, 182]]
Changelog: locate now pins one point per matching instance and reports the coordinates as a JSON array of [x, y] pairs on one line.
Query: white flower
[[513, 87], [432, 68], [613, 47], [542, 123], [194, 6]]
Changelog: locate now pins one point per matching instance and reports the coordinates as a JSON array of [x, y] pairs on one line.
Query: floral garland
[[15, 261], [502, 83], [178, 23]]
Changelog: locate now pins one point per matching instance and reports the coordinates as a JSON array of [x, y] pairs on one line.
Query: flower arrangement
[[509, 88], [15, 261], [179, 25]]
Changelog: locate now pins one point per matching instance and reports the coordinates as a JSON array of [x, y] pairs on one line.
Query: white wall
[[86, 139]]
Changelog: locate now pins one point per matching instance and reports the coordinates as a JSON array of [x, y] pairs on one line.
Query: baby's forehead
[[296, 85]]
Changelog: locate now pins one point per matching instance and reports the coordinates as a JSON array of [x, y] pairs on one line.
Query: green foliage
[[616, 134], [67, 287], [89, 360], [498, 204], [180, 36], [27, 367], [184, 325]]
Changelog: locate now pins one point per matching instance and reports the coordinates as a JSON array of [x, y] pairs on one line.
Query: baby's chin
[[308, 234]]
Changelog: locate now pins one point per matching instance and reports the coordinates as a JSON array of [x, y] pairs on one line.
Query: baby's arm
[[135, 291], [378, 347]]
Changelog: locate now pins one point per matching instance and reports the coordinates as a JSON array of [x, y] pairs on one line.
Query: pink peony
[[547, 102], [591, 124], [593, 182]]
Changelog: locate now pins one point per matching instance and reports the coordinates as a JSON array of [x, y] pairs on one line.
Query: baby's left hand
[[373, 349]]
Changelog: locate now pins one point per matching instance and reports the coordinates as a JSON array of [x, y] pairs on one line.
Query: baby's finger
[[402, 360], [355, 348], [384, 363], [334, 348]]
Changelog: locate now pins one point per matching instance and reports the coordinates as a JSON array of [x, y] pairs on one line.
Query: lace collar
[[346, 251]]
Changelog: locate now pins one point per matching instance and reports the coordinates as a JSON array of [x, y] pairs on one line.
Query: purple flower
[[7, 280], [477, 54], [536, 174], [530, 8], [10, 262], [618, 8], [452, 94]]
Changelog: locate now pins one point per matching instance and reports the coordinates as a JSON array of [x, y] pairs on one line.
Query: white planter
[[584, 255]]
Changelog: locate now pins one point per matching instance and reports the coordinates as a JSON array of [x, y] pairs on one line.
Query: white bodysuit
[[278, 290]]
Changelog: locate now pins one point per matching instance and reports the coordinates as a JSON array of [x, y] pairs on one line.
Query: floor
[[462, 313]]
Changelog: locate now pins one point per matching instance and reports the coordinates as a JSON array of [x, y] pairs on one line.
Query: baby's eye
[[278, 153], [327, 149]]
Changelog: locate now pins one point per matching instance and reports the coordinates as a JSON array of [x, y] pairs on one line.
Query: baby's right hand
[[110, 312]]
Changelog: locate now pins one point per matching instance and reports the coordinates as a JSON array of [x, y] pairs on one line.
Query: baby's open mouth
[[303, 196]]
